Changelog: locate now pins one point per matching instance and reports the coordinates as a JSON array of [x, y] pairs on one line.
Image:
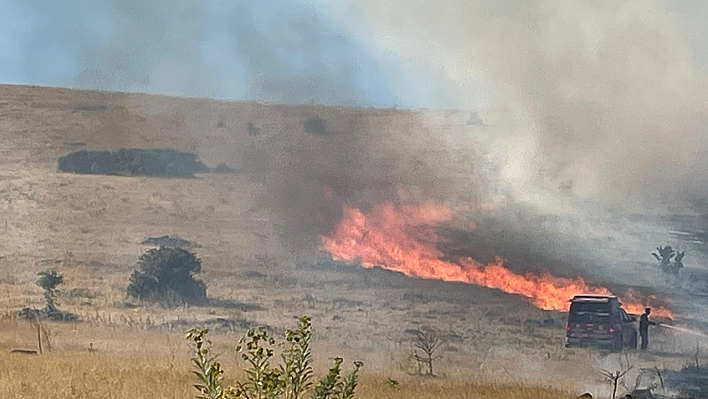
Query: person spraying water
[[644, 324]]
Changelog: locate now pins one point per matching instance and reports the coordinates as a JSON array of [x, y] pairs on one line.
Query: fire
[[403, 239]]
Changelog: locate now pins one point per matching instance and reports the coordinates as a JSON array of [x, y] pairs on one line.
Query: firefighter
[[644, 324]]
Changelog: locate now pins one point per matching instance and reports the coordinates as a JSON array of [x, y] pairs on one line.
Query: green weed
[[291, 379]]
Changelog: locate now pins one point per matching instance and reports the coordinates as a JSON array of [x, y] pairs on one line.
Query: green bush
[[291, 379], [166, 275]]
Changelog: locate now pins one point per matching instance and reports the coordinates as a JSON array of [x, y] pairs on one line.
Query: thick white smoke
[[603, 98]]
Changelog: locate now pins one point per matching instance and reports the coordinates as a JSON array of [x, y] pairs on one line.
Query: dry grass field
[[113, 376], [139, 362], [90, 228]]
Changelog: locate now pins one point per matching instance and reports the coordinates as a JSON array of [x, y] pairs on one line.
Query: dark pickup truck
[[600, 321]]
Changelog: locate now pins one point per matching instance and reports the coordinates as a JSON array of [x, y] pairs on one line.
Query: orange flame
[[404, 240]]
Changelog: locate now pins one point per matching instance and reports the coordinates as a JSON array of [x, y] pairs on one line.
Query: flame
[[403, 239]]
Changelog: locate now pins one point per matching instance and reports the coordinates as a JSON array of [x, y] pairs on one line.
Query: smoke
[[605, 96], [283, 51], [360, 159], [591, 111]]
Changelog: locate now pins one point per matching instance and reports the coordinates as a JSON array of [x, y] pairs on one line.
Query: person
[[644, 324]]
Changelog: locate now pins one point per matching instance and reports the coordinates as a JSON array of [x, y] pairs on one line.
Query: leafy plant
[[167, 275], [297, 359], [291, 379], [334, 386], [208, 371]]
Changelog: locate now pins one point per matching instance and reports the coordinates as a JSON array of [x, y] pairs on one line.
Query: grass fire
[[403, 239]]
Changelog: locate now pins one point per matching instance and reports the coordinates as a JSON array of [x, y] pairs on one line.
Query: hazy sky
[[276, 51], [327, 51]]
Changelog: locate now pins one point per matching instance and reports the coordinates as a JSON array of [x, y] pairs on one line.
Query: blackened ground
[[691, 381], [529, 242]]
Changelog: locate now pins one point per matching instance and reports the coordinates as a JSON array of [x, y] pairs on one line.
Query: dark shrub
[[253, 130], [133, 162], [166, 275], [315, 125]]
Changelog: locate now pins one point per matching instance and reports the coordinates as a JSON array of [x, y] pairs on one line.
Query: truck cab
[[600, 321]]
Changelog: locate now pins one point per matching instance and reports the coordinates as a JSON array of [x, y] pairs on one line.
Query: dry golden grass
[[132, 362], [138, 363], [84, 375], [138, 376]]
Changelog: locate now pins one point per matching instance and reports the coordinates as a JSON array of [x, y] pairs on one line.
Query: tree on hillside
[[166, 275], [49, 280], [671, 260], [428, 342]]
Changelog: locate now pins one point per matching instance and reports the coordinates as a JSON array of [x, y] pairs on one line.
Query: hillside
[[256, 230], [91, 226]]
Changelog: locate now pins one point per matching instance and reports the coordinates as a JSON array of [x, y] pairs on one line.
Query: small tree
[[671, 260], [614, 378], [167, 275], [428, 342], [49, 280]]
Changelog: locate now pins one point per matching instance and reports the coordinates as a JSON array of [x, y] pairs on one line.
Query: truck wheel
[[617, 345]]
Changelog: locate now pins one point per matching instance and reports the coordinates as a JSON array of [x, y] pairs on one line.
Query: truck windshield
[[589, 312]]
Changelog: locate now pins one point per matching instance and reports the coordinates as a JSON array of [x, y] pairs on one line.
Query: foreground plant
[[291, 379]]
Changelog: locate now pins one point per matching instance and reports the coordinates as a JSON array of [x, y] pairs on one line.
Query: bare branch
[[428, 342]]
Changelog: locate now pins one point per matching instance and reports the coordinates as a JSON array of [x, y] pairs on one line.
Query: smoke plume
[[359, 159], [605, 97]]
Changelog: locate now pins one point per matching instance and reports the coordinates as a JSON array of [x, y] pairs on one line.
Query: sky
[[280, 51]]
